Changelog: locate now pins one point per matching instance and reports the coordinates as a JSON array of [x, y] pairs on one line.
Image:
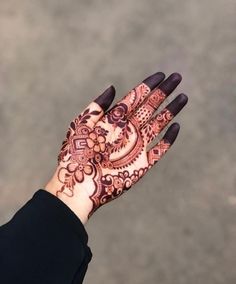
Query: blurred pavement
[[178, 225]]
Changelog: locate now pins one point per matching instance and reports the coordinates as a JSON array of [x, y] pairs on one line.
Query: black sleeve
[[44, 243]]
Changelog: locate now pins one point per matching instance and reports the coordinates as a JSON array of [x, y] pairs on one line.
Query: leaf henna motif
[[122, 140]]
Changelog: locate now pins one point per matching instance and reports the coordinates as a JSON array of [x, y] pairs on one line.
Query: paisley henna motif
[[111, 154]]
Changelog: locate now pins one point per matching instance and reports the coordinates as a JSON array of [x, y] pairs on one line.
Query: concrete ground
[[178, 225]]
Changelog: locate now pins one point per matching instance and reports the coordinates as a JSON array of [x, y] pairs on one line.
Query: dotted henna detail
[[145, 111]]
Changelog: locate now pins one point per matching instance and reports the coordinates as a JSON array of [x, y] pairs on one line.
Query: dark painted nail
[[177, 104], [154, 80], [170, 83], [106, 98], [171, 133]]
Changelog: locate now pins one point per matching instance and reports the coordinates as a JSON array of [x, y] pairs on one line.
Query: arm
[[44, 242], [103, 155]]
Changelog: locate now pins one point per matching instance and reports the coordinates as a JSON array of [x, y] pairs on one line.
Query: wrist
[[79, 202]]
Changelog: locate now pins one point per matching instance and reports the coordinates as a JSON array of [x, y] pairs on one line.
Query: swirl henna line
[[135, 97], [58, 174], [97, 181], [140, 95], [124, 178]]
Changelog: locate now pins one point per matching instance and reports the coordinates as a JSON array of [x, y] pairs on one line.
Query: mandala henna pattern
[[112, 155]]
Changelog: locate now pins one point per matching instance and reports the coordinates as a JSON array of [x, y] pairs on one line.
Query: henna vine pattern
[[108, 151]]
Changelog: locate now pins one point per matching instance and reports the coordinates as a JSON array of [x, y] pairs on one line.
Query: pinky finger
[[155, 153]]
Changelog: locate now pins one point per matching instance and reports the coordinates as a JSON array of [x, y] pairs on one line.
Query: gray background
[[178, 224]]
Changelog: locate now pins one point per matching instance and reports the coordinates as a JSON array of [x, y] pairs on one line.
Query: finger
[[105, 99], [160, 121], [138, 94], [156, 153], [170, 84], [146, 110], [154, 80], [97, 108]]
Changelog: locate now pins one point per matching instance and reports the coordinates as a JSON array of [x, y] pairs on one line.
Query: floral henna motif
[[73, 129], [117, 116], [111, 154]]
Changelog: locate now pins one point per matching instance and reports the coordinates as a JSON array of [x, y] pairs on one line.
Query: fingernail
[[170, 83], [154, 80], [172, 133], [106, 98], [177, 104]]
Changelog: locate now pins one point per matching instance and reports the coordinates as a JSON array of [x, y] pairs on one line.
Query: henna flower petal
[[72, 167], [88, 169], [96, 148], [101, 139], [93, 136], [90, 143], [102, 147], [79, 175]]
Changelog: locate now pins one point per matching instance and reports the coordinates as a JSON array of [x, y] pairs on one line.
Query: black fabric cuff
[[55, 207], [44, 242]]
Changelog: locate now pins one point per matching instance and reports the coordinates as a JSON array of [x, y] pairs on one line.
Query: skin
[[107, 151]]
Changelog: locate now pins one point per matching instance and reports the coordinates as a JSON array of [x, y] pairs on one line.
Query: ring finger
[[160, 121]]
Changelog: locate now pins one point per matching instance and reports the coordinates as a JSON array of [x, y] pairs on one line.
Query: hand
[[105, 153]]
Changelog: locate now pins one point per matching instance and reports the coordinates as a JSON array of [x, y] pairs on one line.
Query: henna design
[[135, 97], [157, 152], [156, 124], [110, 153], [143, 114], [121, 141], [112, 186], [117, 115]]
